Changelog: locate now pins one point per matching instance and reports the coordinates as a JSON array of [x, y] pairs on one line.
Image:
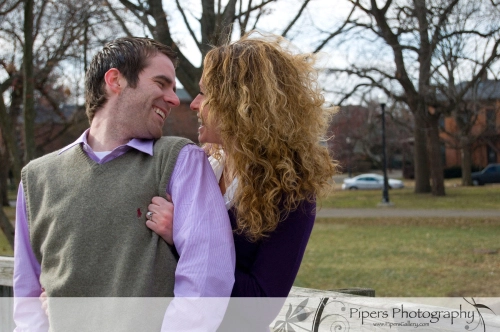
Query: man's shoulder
[[169, 140], [43, 160], [43, 166], [170, 144]]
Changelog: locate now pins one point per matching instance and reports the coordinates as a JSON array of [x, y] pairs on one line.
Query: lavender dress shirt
[[201, 232]]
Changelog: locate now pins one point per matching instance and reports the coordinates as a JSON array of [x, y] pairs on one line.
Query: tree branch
[[137, 11], [8, 10], [261, 11], [304, 5], [191, 32], [243, 24], [119, 19], [39, 20], [261, 5], [6, 84], [389, 37], [336, 32], [442, 18]]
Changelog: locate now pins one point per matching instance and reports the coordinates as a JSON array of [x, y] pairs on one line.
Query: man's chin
[[150, 135], [156, 134]]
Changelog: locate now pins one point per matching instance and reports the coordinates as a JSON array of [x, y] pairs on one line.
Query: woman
[[262, 118]]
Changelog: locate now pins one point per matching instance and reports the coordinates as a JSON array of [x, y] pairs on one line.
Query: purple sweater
[[268, 267]]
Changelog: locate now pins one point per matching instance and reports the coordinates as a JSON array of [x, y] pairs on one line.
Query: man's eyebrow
[[165, 79]]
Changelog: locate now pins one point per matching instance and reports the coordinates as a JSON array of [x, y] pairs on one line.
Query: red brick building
[[182, 121], [356, 138], [51, 133], [484, 125]]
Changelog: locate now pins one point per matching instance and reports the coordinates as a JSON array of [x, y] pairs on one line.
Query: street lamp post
[[348, 141], [385, 191]]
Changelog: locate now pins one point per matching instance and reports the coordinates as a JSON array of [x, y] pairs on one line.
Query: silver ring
[[149, 215]]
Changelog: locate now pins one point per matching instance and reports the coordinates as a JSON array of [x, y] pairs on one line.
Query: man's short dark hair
[[130, 56]]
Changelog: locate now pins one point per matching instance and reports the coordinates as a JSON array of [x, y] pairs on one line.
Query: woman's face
[[207, 132]]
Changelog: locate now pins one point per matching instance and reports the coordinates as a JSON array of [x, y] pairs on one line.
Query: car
[[370, 181], [490, 174]]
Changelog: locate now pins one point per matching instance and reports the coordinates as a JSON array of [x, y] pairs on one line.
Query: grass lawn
[[411, 257], [11, 195], [404, 257], [457, 197], [5, 248]]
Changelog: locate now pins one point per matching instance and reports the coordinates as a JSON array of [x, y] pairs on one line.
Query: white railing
[[318, 310]]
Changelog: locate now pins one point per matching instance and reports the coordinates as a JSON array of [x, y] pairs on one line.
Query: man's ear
[[115, 82]]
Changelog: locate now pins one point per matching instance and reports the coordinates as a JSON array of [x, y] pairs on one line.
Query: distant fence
[[6, 273], [342, 310]]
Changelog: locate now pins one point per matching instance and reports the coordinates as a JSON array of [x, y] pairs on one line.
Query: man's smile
[[160, 112]]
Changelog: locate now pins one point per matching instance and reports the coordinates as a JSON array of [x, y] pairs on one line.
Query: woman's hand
[[45, 303], [160, 217]]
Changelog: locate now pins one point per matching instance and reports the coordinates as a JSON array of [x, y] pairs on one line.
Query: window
[[490, 170], [491, 120]]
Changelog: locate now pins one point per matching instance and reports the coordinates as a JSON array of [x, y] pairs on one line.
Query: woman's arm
[[277, 258]]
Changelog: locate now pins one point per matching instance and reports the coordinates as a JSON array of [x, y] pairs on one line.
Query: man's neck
[[103, 137]]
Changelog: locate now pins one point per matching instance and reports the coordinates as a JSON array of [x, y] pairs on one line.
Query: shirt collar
[[143, 145]]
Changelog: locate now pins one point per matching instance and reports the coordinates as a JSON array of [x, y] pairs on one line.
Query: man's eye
[[201, 93]]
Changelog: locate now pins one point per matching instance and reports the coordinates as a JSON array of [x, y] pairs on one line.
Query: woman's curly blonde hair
[[270, 114]]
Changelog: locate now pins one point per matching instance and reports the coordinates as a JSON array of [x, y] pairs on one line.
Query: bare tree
[[473, 121], [58, 33], [28, 79], [463, 86], [35, 64], [213, 26], [397, 46]]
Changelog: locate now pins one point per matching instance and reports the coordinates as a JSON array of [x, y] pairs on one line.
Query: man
[[81, 212]]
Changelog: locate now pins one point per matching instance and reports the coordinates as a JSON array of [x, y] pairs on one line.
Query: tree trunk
[[28, 91], [5, 224], [435, 159], [421, 164], [4, 174], [466, 163], [10, 141]]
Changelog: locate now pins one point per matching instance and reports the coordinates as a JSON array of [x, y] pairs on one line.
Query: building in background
[[182, 121], [476, 125], [54, 130], [356, 138]]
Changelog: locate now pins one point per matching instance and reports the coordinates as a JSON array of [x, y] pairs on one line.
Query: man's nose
[[172, 99]]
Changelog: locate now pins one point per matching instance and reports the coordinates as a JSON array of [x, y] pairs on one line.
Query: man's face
[[141, 111]]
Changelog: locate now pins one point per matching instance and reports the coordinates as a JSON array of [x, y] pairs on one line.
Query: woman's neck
[[227, 176], [222, 183]]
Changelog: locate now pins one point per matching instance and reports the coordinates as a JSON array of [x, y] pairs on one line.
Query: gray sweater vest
[[87, 222]]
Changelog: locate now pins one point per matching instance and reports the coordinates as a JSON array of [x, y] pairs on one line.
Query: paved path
[[395, 212]]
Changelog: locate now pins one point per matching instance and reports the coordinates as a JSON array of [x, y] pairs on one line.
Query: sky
[[319, 14], [319, 18]]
